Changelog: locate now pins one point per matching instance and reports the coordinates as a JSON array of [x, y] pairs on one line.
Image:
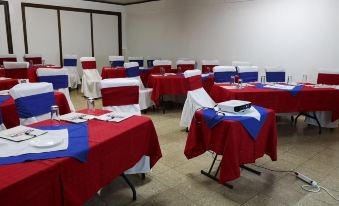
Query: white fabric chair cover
[[328, 71], [246, 73], [43, 72], [7, 57], [2, 127], [185, 62], [210, 62], [240, 63], [145, 94], [16, 65], [29, 89], [140, 61], [196, 99], [116, 60], [37, 58], [226, 70], [90, 85], [162, 63], [70, 64], [143, 166]]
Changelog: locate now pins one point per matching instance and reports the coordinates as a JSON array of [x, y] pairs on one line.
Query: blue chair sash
[[275, 76], [133, 72], [249, 76], [70, 62], [223, 76], [117, 63], [140, 62], [252, 125], [35, 105], [58, 81]]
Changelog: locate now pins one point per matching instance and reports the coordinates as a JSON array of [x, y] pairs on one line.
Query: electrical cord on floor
[[312, 185]]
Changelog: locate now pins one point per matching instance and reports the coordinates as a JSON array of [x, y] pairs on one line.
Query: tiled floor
[[177, 181]]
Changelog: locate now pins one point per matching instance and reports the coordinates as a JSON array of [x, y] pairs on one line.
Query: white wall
[[3, 32], [16, 17], [300, 35]]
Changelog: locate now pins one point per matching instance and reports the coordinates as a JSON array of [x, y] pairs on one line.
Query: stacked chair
[[90, 85], [197, 97], [186, 65], [158, 64], [222, 74], [116, 61], [33, 101], [132, 71], [275, 74], [139, 60], [71, 65], [248, 73], [16, 70], [36, 59], [208, 65], [7, 58], [59, 79]]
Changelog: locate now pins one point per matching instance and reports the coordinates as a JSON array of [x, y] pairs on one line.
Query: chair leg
[[130, 185]]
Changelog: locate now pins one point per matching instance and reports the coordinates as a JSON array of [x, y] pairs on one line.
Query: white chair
[[16, 70], [59, 79], [197, 97], [7, 58], [33, 101], [36, 59], [132, 71], [186, 64], [90, 85], [248, 73], [158, 64], [116, 61], [71, 65], [121, 95], [222, 74], [275, 74], [139, 60], [240, 63], [208, 65]]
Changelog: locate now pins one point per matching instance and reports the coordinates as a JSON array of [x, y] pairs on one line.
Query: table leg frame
[[130, 185], [250, 169], [314, 116]]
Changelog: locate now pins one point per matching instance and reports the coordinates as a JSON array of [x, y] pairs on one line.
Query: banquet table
[[309, 99], [10, 115], [8, 83], [114, 148], [331, 79], [231, 140]]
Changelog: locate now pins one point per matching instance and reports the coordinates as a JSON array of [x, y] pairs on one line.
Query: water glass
[[304, 80], [43, 62], [232, 80], [91, 105], [162, 71], [289, 79], [55, 115], [179, 70], [239, 83], [263, 79]]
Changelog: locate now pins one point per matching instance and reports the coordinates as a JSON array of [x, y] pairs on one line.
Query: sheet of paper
[[21, 133], [76, 117], [280, 86], [114, 117]]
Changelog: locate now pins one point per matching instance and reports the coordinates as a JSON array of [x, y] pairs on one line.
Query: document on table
[[280, 86], [21, 133], [76, 117], [114, 117]]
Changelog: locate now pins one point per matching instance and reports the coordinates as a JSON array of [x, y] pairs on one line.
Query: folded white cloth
[[251, 112]]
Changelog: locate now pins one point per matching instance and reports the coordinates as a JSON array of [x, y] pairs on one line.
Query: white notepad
[[21, 133]]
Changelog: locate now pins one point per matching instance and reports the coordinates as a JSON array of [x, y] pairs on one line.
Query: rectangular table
[[232, 141], [309, 99], [114, 148]]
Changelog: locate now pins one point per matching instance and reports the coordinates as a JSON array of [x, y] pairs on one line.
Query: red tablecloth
[[11, 118], [332, 79], [114, 148], [2, 72], [309, 99], [6, 84], [233, 142], [109, 72], [208, 83]]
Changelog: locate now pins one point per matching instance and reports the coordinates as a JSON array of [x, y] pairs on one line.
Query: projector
[[234, 106]]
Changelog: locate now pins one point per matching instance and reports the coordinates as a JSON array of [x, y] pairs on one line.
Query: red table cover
[[114, 148], [332, 79], [6, 84], [231, 140], [309, 99], [109, 72], [10, 115], [2, 72]]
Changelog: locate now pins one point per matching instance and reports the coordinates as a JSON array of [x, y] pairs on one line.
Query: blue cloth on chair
[[251, 124], [249, 76], [117, 63], [58, 81], [133, 72], [78, 146], [35, 105], [275, 76], [70, 62], [223, 76], [294, 91]]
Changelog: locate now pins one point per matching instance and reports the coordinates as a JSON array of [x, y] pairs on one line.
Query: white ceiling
[[122, 2]]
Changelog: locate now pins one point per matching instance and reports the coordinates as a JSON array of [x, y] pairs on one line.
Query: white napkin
[[251, 112], [76, 117], [114, 117], [9, 148]]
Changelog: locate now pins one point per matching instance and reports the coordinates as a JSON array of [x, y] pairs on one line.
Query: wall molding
[[62, 8], [8, 26]]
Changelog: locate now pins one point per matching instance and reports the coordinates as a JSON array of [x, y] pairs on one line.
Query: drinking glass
[[162, 71], [263, 79], [55, 115], [289, 79], [304, 78], [240, 83], [90, 105], [232, 80]]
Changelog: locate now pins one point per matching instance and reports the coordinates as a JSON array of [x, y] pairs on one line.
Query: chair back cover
[[186, 64], [34, 58], [71, 61], [275, 74], [166, 64], [208, 65], [121, 95], [139, 60], [248, 73], [71, 65], [328, 76], [88, 63], [133, 71], [240, 63], [223, 74], [33, 101], [116, 61], [16, 70], [7, 58], [194, 79]]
